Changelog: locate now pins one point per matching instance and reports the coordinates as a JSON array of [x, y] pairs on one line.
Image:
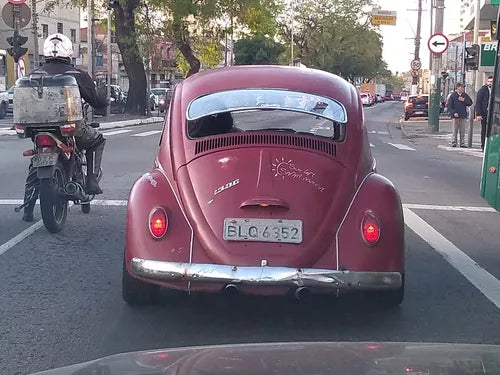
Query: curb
[[124, 123], [470, 152], [108, 125]]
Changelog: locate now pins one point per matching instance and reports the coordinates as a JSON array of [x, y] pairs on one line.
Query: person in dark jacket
[[457, 106], [482, 103], [58, 51]]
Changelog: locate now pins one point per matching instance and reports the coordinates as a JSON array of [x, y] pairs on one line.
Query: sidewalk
[[420, 129], [114, 121]]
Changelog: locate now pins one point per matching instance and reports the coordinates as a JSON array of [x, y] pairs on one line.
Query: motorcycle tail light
[[45, 141], [68, 128], [158, 222], [20, 129], [370, 229]]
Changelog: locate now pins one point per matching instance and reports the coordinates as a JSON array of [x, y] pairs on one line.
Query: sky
[[398, 48]]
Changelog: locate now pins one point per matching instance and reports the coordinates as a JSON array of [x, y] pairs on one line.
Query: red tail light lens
[[45, 141], [158, 222], [370, 229]]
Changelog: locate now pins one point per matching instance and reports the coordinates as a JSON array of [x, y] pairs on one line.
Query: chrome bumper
[[265, 276]]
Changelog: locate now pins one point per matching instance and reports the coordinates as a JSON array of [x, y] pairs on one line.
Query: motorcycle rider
[[58, 51]]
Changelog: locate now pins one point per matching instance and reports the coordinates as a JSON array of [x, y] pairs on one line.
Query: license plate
[[44, 160], [419, 113], [263, 230]]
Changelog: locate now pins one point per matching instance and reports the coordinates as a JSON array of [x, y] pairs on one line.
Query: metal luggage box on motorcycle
[[47, 100]]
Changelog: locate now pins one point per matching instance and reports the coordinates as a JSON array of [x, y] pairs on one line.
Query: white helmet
[[57, 45]]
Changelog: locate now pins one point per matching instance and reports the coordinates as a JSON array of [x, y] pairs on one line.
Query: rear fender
[[45, 172], [379, 196], [148, 192]]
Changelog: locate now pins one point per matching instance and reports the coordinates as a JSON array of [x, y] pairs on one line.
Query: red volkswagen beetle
[[264, 183]]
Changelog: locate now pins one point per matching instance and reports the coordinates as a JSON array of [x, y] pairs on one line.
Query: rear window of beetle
[[249, 110]]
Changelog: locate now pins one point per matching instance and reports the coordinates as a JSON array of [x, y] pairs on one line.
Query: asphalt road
[[60, 295]]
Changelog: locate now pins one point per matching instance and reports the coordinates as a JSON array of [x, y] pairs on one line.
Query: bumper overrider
[[265, 276]]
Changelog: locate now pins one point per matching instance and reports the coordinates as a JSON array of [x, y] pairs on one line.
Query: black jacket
[[482, 101], [86, 85], [456, 106]]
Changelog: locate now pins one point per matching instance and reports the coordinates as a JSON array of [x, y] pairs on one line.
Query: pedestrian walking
[[457, 106], [482, 104]]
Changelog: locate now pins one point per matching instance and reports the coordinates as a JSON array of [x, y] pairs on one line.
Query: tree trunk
[[181, 40], [125, 38]]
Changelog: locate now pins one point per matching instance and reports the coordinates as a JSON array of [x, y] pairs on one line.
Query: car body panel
[[323, 183]]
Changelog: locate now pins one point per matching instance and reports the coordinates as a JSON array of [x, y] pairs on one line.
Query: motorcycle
[[60, 166]]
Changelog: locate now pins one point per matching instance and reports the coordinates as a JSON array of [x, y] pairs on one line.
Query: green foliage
[[257, 50], [335, 36]]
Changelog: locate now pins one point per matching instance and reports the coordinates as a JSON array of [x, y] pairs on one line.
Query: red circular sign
[[16, 2]]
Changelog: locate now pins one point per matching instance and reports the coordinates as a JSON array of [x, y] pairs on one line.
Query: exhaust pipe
[[302, 294], [231, 290], [75, 191]]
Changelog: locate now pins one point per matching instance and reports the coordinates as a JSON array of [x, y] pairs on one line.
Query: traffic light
[[16, 41], [472, 58]]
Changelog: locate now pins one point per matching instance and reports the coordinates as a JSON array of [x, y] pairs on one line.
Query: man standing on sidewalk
[[482, 103], [457, 106]]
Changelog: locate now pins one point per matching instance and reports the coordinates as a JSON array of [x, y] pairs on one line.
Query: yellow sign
[[383, 20]]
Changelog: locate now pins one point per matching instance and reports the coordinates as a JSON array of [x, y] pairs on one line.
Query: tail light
[[408, 104], [370, 229], [20, 129], [45, 141], [68, 128], [158, 222]]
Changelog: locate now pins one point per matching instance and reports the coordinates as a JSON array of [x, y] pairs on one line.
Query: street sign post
[[383, 17], [438, 44], [416, 64]]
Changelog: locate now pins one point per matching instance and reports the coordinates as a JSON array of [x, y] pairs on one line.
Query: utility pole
[[477, 8], [34, 24], [110, 64], [435, 99], [431, 11], [414, 84], [90, 51]]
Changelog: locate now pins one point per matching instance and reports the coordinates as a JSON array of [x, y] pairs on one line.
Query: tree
[[191, 20], [257, 50], [335, 36]]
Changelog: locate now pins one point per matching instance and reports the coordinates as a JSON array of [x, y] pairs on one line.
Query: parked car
[[416, 106], [118, 100], [4, 103], [291, 202], [365, 99]]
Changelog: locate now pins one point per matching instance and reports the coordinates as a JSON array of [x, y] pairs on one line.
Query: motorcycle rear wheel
[[53, 205]]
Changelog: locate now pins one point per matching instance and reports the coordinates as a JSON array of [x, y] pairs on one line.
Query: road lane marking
[[145, 134], [402, 147], [484, 281], [114, 132], [447, 208], [21, 236], [371, 145]]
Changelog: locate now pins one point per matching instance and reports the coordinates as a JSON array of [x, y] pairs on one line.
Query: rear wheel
[[136, 292], [53, 204]]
